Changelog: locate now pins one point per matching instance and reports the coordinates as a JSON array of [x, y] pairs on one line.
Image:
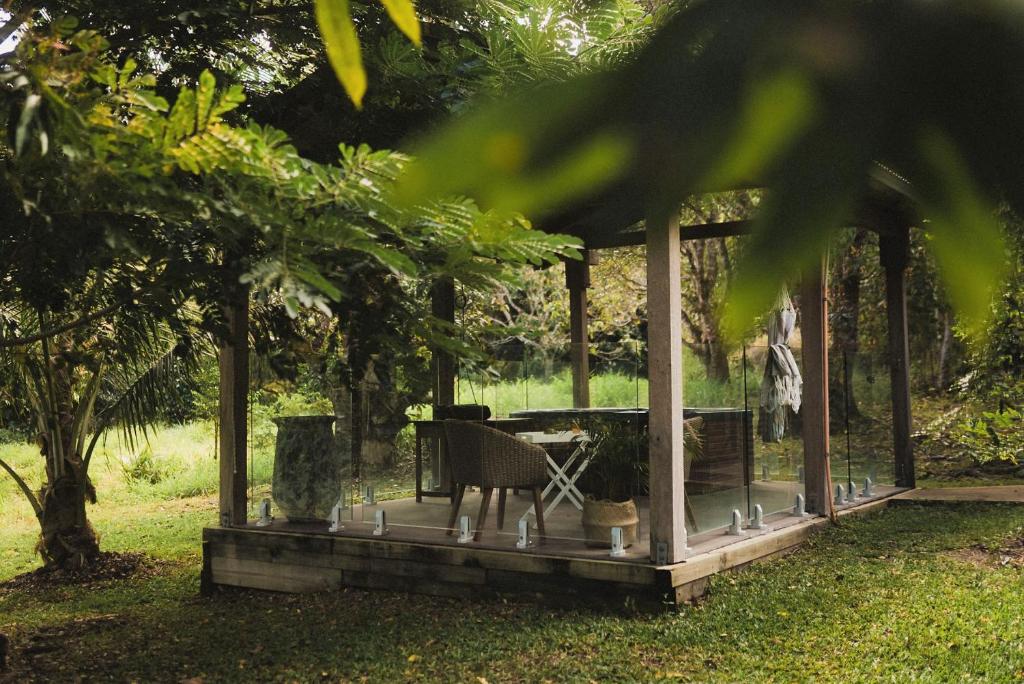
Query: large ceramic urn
[[307, 468]]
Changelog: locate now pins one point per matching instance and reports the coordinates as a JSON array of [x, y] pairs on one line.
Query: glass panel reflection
[[870, 437]]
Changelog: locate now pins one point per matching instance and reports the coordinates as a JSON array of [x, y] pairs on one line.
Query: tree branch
[[25, 489]]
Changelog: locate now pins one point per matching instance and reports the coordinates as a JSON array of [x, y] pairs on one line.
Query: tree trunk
[[356, 423], [944, 347], [708, 262], [67, 539], [341, 401], [845, 325], [718, 367], [385, 417]]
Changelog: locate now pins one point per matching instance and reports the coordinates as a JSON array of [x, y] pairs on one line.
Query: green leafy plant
[[334, 18], [620, 466], [994, 436], [128, 221], [618, 469], [142, 468]]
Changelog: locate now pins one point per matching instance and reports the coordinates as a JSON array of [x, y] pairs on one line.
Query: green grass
[[878, 598], [607, 389]]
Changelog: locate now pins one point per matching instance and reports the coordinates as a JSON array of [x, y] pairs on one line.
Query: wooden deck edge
[[355, 552], [296, 563], [953, 496], [305, 562], [684, 577]]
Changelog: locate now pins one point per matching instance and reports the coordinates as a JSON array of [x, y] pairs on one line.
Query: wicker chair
[[491, 459]]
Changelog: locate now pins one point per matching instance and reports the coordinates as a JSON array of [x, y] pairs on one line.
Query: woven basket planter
[[599, 517]]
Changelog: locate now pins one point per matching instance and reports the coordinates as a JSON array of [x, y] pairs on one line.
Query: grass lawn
[[887, 597], [906, 594]]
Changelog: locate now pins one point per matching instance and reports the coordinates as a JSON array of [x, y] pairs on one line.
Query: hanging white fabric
[[782, 386]]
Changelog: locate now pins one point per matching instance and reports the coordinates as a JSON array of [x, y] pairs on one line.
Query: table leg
[[444, 475], [568, 489], [569, 483], [419, 469], [566, 484]]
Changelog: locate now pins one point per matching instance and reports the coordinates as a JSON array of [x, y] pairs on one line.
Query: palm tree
[[117, 372]]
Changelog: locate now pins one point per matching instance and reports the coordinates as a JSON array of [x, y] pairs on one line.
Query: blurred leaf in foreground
[[808, 104], [334, 17]]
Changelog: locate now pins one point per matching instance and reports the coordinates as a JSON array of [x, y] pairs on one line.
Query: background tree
[[850, 266], [119, 211], [996, 360]]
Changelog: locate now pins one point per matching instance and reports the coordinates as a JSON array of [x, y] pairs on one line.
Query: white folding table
[[563, 477]]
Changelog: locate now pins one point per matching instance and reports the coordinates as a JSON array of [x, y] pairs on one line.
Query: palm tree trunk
[[67, 540]]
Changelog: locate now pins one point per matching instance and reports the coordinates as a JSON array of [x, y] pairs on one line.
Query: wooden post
[[442, 306], [577, 280], [665, 387], [234, 395], [894, 250], [814, 340]]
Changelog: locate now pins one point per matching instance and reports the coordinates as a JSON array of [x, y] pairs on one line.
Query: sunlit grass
[[506, 394]]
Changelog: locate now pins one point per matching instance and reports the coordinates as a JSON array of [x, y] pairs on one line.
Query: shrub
[[141, 468], [994, 436]]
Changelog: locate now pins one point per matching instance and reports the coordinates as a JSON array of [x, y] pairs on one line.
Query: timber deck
[[302, 558], [995, 494]]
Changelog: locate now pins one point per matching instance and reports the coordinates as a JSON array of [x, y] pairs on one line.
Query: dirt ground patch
[[984, 556], [109, 566], [37, 657]]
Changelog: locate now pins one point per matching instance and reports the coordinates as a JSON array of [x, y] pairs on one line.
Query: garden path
[[1006, 493]]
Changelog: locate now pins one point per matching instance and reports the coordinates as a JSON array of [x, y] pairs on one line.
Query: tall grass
[[171, 462], [610, 389]]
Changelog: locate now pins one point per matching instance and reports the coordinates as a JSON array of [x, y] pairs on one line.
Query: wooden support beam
[[894, 249], [665, 387], [596, 239], [577, 280], [814, 340], [234, 399], [442, 306]]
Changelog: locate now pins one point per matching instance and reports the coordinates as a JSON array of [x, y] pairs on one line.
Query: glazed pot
[[599, 517], [307, 468]]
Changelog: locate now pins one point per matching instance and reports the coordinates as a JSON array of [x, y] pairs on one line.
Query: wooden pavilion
[[304, 558]]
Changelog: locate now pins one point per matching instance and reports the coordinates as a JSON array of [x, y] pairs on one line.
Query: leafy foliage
[[996, 359], [994, 436], [129, 221]]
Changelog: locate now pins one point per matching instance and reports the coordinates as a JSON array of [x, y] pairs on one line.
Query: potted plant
[[618, 471]]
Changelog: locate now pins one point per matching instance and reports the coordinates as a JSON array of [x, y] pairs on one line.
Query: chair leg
[[538, 509], [501, 508], [456, 503], [485, 503]]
